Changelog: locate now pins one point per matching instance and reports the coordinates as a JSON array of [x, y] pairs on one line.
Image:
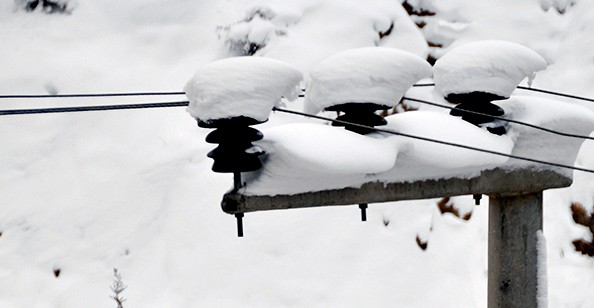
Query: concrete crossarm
[[495, 182]]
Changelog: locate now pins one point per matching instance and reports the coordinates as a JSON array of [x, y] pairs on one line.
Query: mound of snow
[[312, 157], [495, 67], [364, 75], [550, 114], [241, 86], [446, 128], [319, 148]]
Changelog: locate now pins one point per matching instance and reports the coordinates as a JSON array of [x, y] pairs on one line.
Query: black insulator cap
[[231, 135], [235, 152], [499, 130], [482, 107], [240, 121], [357, 107], [236, 162], [478, 102], [473, 97], [367, 119], [359, 113]]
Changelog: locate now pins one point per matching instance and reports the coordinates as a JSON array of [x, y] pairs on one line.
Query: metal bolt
[[363, 208], [477, 199], [239, 217]]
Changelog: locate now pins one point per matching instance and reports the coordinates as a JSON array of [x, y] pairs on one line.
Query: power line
[[557, 93], [501, 118], [529, 89], [122, 94], [93, 95], [94, 108], [433, 140], [183, 93], [186, 103], [119, 94]]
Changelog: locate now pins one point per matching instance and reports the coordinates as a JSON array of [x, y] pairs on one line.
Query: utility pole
[[515, 258], [515, 261]]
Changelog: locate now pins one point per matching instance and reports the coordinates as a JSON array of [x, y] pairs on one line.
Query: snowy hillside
[[84, 193]]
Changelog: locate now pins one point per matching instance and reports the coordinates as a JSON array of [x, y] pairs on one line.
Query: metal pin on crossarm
[[235, 153], [363, 207], [477, 199], [239, 217]]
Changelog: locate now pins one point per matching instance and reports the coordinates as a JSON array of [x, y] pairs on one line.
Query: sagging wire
[[433, 140]]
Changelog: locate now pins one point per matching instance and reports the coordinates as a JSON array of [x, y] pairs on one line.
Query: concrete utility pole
[[515, 218], [514, 222]]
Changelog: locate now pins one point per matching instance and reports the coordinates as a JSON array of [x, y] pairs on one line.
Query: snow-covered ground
[[88, 192]]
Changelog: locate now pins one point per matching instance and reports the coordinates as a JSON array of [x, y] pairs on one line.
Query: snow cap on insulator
[[241, 87], [489, 68], [376, 75]]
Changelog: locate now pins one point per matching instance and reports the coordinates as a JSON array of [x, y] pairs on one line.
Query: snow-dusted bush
[[364, 75], [46, 6], [253, 32], [291, 31], [581, 217], [117, 288], [560, 5], [241, 86], [494, 67]]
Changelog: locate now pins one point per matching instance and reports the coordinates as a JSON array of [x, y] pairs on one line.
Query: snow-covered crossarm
[[314, 164], [422, 154], [490, 182], [294, 176]]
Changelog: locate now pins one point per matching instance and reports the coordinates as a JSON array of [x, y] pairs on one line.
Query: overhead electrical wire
[[186, 103], [557, 93], [94, 108], [500, 118], [529, 89], [424, 85], [433, 140], [15, 96], [92, 95]]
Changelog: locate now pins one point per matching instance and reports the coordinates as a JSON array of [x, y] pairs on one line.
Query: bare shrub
[[581, 217], [117, 288], [445, 207]]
